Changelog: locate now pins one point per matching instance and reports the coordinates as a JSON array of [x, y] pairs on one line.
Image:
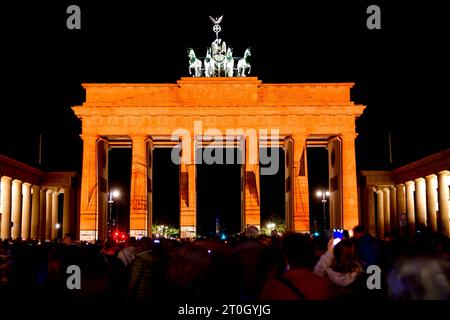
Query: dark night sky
[[397, 69]]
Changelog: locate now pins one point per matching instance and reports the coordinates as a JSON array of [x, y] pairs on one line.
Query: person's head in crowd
[[358, 232], [69, 238], [419, 278], [251, 232], [345, 257], [298, 250], [109, 247]]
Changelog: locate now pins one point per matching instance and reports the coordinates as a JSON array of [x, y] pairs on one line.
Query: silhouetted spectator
[[368, 248], [298, 282], [420, 278]]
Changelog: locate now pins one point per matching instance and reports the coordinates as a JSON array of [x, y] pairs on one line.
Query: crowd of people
[[247, 267]]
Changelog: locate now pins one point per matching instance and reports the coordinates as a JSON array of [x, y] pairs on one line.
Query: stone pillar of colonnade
[[138, 196], [35, 204], [401, 208], [432, 199], [26, 211], [48, 214], [55, 195], [5, 232], [393, 208], [16, 208], [380, 214], [443, 182], [421, 202], [387, 210], [410, 211], [300, 185], [188, 192], [372, 224], [252, 201], [42, 213], [67, 218], [89, 190], [349, 187]]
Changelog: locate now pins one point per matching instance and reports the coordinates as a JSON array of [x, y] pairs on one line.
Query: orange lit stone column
[[42, 212], [5, 232], [26, 210], [387, 210], [410, 211], [371, 211], [380, 214], [89, 190], [67, 219], [300, 185], [48, 214], [443, 182], [16, 209], [138, 197], [401, 207], [252, 210], [35, 203], [432, 199], [55, 195], [188, 192], [350, 192], [421, 205]]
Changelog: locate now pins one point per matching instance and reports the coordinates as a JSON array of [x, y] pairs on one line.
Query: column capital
[[6, 179], [430, 176], [392, 187], [138, 137], [443, 173], [399, 185], [16, 181], [88, 137], [386, 189], [409, 183], [349, 135], [419, 180], [26, 184]]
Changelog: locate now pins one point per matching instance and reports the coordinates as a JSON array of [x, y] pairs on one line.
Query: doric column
[[421, 204], [188, 192], [5, 232], [89, 190], [443, 182], [35, 200], [67, 218], [138, 197], [393, 208], [252, 208], [401, 207], [432, 199], [380, 214], [16, 209], [55, 195], [42, 213], [48, 214], [349, 187], [387, 210], [372, 224], [410, 212], [26, 210], [300, 176]]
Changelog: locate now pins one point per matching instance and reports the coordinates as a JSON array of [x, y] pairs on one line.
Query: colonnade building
[[409, 199], [35, 204]]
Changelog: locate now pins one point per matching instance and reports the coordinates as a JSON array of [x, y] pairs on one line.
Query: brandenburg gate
[[145, 116]]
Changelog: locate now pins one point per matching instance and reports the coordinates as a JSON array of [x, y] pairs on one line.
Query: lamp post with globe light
[[324, 194], [112, 194]]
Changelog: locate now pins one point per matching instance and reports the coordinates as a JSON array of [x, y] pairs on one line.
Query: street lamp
[[113, 194], [323, 194]]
